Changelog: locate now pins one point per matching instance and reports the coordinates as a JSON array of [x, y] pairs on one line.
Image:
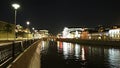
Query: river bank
[[91, 42]]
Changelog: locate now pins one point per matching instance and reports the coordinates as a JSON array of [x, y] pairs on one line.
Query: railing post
[[22, 48], [13, 49]]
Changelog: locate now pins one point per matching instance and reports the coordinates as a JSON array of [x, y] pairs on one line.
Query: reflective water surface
[[71, 55]]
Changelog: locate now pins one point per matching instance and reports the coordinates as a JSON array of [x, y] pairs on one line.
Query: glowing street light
[[33, 32], [15, 6], [28, 23], [33, 28]]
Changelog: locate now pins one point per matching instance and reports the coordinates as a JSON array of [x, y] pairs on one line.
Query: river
[[55, 54]]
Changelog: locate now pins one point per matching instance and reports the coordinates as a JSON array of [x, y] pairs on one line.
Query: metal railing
[[9, 51]]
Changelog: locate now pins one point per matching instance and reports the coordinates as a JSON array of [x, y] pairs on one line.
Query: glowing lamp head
[[28, 22], [15, 6], [33, 28]]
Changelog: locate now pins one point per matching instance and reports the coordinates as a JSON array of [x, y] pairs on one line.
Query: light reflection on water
[[114, 58], [77, 51], [44, 46], [100, 56], [71, 51], [76, 54]]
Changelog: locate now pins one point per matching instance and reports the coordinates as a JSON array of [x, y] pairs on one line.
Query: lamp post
[[28, 23], [15, 6], [33, 32]]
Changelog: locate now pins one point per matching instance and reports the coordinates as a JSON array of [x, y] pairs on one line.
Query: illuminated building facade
[[114, 33], [43, 33], [84, 35], [92, 33], [72, 32]]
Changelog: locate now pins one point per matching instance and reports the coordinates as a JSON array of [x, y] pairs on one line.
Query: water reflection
[[83, 54], [71, 51], [114, 55], [93, 56], [68, 50], [44, 46], [77, 51], [60, 47]]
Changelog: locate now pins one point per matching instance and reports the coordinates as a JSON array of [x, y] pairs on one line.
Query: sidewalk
[[35, 61], [30, 58]]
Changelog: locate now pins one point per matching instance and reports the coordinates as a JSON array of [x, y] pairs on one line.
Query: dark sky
[[54, 15]]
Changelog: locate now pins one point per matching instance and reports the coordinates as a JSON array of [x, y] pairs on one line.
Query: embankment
[[91, 42], [30, 58]]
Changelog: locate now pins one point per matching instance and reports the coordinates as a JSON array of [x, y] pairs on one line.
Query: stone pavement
[[30, 58]]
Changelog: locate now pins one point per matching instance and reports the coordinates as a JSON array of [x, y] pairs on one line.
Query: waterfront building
[[72, 32], [44, 33], [98, 34], [101, 33], [84, 35], [114, 34], [6, 31]]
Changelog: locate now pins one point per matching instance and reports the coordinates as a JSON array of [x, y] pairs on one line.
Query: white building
[[114, 33], [72, 32]]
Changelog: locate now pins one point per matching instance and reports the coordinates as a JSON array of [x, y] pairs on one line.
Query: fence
[[9, 51]]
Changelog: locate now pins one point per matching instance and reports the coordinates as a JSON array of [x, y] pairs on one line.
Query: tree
[[8, 29]]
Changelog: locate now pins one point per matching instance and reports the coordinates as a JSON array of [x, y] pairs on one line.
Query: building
[[41, 34], [74, 32], [114, 33], [6, 31], [98, 34]]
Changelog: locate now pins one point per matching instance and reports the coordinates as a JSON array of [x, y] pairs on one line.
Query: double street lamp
[[15, 6]]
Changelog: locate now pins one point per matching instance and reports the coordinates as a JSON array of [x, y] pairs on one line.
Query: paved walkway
[[35, 61], [30, 58]]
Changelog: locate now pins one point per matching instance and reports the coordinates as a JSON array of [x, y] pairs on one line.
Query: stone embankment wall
[[92, 42]]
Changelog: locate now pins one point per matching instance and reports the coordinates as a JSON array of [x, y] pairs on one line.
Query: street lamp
[[15, 6], [33, 28], [33, 32], [28, 23]]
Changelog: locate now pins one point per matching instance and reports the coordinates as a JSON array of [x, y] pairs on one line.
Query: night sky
[[54, 15]]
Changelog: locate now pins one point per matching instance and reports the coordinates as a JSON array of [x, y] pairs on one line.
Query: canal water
[[71, 55]]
